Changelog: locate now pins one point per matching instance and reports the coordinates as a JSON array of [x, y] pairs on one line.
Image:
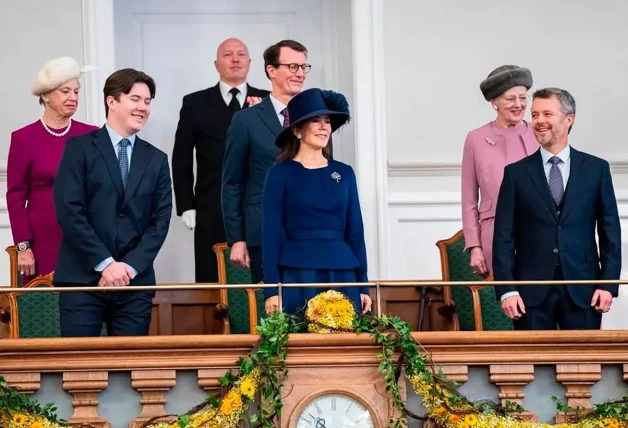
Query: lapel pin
[[336, 176], [491, 142]]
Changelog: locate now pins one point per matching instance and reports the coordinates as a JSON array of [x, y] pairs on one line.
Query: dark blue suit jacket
[[99, 219], [531, 238], [250, 150]]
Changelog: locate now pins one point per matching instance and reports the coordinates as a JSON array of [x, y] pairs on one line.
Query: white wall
[[32, 32], [437, 53]]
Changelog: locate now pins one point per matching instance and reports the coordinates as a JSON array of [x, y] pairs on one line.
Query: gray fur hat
[[503, 78]]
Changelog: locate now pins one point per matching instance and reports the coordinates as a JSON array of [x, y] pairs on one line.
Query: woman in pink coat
[[34, 156], [487, 150]]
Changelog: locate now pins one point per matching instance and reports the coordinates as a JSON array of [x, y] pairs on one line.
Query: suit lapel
[[269, 116], [140, 157], [104, 144], [537, 175], [576, 170], [530, 142]]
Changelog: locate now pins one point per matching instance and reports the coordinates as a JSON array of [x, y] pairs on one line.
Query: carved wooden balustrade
[[509, 361]]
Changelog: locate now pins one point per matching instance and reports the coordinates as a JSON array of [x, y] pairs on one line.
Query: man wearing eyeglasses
[[250, 151]]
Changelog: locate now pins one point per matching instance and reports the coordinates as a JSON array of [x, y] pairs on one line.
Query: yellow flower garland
[[227, 414], [26, 420]]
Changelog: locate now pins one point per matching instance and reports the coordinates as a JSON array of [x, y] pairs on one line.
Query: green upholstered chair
[[36, 315], [244, 306], [473, 307]]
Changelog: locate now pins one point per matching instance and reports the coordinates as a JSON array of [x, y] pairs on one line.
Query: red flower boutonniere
[[251, 101]]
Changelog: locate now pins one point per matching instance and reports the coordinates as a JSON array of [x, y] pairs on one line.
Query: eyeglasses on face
[[294, 67]]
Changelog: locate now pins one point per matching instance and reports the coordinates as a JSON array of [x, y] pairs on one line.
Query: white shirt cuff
[[509, 294]]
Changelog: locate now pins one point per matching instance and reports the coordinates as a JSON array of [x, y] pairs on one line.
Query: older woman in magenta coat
[[34, 156], [487, 150]]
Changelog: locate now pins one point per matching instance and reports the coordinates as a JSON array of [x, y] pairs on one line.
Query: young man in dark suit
[[203, 122], [113, 199], [251, 150], [549, 207]]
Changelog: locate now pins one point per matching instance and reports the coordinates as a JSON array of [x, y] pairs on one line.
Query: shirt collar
[[564, 154], [278, 105], [116, 138], [225, 88]]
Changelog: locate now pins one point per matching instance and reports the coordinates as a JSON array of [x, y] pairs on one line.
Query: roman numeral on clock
[[318, 408]]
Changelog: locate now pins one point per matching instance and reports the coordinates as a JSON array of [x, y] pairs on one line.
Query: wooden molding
[[577, 379], [153, 385], [456, 373], [511, 379], [85, 387], [208, 379], [28, 383], [194, 351]]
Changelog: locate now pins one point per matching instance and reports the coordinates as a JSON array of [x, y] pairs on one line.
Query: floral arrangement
[[330, 312], [262, 373], [18, 411]]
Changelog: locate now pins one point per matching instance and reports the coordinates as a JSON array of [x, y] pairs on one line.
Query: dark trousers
[[209, 230], [257, 268], [124, 313], [558, 311]]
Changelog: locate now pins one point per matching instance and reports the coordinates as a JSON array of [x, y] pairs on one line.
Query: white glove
[[188, 218]]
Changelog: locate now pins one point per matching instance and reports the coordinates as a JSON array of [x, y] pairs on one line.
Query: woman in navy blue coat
[[312, 224]]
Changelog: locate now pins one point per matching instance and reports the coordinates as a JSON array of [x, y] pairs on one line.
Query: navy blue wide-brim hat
[[312, 103]]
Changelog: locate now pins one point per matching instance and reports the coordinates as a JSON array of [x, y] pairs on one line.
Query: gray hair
[[567, 102]]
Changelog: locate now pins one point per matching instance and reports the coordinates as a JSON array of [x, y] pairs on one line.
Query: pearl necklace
[[56, 134]]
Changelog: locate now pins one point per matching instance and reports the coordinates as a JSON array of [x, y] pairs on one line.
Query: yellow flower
[[19, 419], [36, 425], [610, 423], [234, 400], [441, 411], [247, 387], [463, 424], [226, 408], [454, 418], [471, 419]]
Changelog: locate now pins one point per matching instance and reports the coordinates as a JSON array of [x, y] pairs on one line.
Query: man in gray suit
[[251, 150]]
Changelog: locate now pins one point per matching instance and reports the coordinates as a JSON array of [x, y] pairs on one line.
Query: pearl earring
[[46, 100], [299, 136], [494, 107]]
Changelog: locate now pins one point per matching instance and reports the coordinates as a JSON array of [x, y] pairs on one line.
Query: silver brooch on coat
[[491, 142], [336, 176]]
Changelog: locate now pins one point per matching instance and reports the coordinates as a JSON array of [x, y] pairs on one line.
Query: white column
[[99, 51], [370, 130]]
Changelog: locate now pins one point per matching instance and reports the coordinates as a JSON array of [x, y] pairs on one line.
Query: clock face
[[335, 411]]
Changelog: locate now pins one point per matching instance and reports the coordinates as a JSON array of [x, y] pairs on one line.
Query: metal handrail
[[376, 284]]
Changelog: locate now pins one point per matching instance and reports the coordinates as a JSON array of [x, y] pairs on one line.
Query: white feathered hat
[[55, 72]]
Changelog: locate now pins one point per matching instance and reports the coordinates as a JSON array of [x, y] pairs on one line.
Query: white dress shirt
[[227, 96], [564, 167], [279, 106]]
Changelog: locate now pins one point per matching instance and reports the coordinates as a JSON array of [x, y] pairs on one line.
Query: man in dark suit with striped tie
[[251, 150], [549, 207], [113, 199]]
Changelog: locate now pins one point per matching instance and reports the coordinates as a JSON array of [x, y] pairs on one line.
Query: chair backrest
[[15, 279], [36, 315], [244, 305], [476, 306]]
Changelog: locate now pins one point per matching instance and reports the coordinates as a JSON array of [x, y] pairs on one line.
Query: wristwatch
[[23, 246]]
